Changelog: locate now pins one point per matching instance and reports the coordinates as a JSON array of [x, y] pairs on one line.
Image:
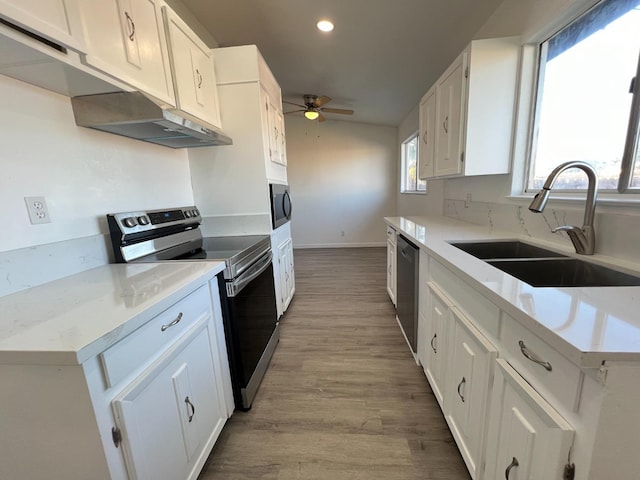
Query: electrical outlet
[[467, 201], [38, 211]]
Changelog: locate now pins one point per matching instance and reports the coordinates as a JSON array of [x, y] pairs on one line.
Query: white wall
[[84, 174], [412, 203], [343, 178]]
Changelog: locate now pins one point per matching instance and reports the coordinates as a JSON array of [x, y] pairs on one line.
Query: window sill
[[413, 193]]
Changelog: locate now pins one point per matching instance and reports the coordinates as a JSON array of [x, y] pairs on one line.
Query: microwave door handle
[[286, 199]]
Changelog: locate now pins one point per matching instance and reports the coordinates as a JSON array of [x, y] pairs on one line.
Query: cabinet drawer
[[148, 341], [485, 314], [546, 370]]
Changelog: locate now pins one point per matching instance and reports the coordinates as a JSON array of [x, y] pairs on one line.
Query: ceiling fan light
[[324, 25], [311, 114]]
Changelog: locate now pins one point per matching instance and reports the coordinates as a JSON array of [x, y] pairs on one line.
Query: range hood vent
[[134, 115]]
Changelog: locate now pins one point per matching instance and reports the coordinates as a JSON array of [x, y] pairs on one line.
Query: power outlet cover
[[38, 210]]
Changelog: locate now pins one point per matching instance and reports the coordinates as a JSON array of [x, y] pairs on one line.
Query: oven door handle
[[235, 287]]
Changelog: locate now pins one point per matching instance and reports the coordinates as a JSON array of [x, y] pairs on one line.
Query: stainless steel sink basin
[[505, 249], [564, 272]]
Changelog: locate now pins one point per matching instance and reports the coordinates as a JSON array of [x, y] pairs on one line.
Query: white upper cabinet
[[450, 92], [427, 120], [56, 20], [194, 77], [126, 39], [474, 117]]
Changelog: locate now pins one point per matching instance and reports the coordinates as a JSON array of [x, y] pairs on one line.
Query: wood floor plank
[[343, 397]]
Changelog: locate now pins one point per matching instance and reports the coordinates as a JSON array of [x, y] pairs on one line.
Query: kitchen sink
[[505, 249], [564, 272]]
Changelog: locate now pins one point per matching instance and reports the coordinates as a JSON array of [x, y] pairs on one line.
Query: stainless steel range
[[246, 286]]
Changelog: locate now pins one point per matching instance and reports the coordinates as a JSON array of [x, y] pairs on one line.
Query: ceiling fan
[[313, 107]]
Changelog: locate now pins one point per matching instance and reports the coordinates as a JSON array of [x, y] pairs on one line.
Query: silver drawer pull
[[531, 356], [169, 325], [435, 336], [514, 463]]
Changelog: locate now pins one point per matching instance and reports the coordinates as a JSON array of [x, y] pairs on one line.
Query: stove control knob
[[196, 213], [143, 220], [187, 213], [130, 222]]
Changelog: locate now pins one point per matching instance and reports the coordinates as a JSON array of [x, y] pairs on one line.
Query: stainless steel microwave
[[280, 204]]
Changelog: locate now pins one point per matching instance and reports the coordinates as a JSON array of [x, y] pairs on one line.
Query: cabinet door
[[193, 72], [472, 358], [436, 343], [450, 96], [125, 39], [169, 412], [391, 270], [285, 259], [56, 20], [526, 438], [427, 121]]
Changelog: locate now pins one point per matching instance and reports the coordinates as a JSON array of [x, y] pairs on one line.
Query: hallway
[[343, 397]]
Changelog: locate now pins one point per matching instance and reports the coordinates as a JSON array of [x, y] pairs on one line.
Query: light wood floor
[[343, 397]]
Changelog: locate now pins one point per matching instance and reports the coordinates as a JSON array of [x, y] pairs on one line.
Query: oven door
[[251, 322]]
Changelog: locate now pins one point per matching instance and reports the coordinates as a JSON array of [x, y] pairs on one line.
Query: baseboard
[[340, 245]]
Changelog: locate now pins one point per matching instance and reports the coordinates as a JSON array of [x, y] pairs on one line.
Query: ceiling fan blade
[[296, 104], [321, 118], [338, 110], [321, 100], [293, 111]]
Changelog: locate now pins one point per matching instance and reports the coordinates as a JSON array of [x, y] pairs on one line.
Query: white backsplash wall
[[343, 181], [84, 174], [617, 233]]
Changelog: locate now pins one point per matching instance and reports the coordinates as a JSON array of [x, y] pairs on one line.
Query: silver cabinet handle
[[424, 137], [514, 463], [199, 76], [435, 336], [532, 356], [462, 382], [169, 325], [445, 124], [193, 408]]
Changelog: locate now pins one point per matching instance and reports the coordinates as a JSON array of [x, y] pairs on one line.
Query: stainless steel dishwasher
[[408, 256]]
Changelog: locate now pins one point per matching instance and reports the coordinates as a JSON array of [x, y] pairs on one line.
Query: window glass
[[410, 182], [584, 100]]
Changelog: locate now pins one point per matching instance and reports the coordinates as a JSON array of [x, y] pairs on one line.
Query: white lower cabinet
[[435, 341], [283, 267], [527, 438], [391, 264], [469, 375], [167, 414]]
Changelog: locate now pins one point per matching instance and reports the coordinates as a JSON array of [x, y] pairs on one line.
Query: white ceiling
[[379, 60]]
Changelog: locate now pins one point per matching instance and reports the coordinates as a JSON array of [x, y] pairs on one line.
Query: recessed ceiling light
[[324, 25]]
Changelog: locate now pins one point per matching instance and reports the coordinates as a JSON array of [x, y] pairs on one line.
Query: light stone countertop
[[587, 325], [67, 321]]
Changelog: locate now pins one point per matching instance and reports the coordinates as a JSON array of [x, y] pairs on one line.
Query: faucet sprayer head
[[540, 201]]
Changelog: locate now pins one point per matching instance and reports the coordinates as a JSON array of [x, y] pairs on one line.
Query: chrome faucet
[[583, 239]]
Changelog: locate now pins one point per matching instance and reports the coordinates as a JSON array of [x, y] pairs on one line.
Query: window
[[584, 109], [410, 182]]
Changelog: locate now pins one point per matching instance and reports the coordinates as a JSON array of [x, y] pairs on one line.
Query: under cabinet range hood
[[134, 115]]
